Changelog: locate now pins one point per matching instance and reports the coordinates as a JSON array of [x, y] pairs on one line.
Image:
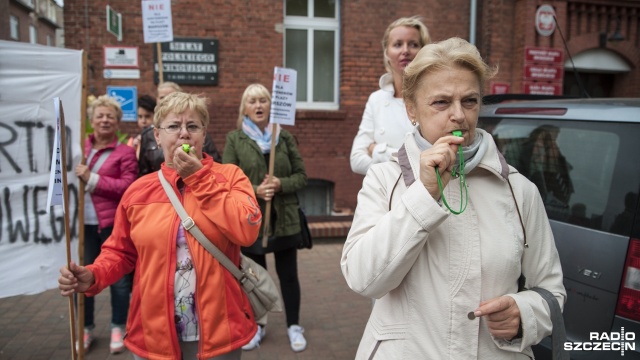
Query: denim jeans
[[120, 290]]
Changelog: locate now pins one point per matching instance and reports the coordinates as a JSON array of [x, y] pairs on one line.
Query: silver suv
[[584, 156]]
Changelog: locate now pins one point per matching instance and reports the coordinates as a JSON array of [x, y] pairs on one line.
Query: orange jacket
[[221, 201]]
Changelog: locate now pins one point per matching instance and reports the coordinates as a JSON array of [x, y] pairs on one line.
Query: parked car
[[584, 156]]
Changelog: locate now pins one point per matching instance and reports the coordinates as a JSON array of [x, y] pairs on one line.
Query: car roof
[[591, 109]]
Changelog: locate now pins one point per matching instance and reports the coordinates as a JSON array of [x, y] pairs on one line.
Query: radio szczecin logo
[[613, 341]]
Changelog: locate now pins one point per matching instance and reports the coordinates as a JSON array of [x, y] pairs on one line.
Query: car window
[[587, 172]]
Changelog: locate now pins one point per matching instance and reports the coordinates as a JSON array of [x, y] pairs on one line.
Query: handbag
[[306, 241], [254, 279]]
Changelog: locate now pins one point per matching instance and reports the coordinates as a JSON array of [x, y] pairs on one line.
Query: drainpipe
[[472, 22]]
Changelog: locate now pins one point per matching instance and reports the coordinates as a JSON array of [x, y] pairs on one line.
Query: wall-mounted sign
[[542, 88], [121, 56], [545, 22], [188, 61], [127, 97], [114, 23], [543, 55], [121, 73], [543, 72], [499, 87]]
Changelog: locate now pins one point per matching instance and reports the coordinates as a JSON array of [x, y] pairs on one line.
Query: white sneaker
[[116, 345], [298, 342], [257, 339], [88, 339]]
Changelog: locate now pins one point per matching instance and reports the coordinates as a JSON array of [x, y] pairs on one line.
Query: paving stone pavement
[[36, 327]]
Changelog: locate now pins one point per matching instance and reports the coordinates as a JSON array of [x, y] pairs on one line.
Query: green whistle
[[457, 133], [186, 148]]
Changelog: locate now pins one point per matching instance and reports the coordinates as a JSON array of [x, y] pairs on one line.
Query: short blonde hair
[[444, 55], [253, 90], [106, 101], [414, 22], [179, 102], [169, 84]]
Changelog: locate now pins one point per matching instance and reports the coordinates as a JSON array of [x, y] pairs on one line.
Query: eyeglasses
[[174, 129]]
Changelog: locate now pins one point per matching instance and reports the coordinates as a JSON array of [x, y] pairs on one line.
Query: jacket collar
[[92, 138], [386, 83], [252, 143], [408, 157]]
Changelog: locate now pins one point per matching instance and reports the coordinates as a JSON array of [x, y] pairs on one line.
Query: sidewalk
[[36, 327]]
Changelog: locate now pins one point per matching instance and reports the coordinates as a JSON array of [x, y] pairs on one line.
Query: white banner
[[33, 241]]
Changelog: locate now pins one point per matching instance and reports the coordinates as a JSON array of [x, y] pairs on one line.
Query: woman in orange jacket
[[184, 304]]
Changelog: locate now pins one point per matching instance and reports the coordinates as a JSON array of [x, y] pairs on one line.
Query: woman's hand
[[82, 172], [502, 315], [74, 279], [266, 190], [442, 155], [370, 148], [186, 163], [136, 140]]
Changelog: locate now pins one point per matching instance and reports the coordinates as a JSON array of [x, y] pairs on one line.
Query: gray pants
[[190, 350]]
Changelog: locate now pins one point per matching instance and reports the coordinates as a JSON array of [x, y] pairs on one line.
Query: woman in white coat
[[447, 284], [384, 121]]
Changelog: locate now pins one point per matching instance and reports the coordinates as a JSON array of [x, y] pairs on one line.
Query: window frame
[[312, 24]]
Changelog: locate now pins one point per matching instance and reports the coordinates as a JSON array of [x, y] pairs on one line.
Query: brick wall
[[250, 47]]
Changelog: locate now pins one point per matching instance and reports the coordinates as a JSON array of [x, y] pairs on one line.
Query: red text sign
[[543, 72], [543, 55], [542, 88]]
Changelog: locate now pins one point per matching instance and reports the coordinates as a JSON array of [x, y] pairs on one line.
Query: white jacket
[[385, 122], [429, 268]]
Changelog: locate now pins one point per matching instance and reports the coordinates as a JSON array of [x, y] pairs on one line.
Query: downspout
[[472, 22]]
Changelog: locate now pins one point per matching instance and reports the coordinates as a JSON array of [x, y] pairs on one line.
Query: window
[[586, 172], [317, 197], [311, 36], [15, 27], [49, 40], [33, 34]]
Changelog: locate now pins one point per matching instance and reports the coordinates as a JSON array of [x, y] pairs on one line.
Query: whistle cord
[[463, 184]]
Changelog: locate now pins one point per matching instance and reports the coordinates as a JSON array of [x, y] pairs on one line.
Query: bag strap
[[191, 226], [559, 335]]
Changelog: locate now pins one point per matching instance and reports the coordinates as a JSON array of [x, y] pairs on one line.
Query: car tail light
[[629, 296]]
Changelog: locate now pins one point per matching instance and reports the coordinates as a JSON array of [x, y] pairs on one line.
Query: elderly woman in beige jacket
[[447, 283]]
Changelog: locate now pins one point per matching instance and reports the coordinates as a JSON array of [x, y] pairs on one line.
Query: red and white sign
[[545, 22], [121, 57], [498, 87], [543, 72], [542, 88], [542, 55]]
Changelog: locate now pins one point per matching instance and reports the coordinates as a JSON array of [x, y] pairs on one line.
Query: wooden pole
[[81, 193], [160, 69], [266, 219], [67, 230]]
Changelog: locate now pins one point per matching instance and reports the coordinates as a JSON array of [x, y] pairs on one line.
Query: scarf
[[262, 139], [472, 153]]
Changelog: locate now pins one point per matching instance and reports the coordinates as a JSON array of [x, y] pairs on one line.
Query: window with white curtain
[[311, 36], [33, 34], [14, 24]]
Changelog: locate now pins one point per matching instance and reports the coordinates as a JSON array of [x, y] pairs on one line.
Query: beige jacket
[[429, 268]]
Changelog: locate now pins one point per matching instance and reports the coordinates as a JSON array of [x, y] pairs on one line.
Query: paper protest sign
[[283, 96]]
